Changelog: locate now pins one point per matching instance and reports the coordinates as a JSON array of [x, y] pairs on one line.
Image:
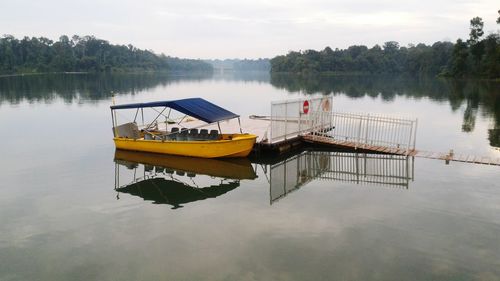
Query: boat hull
[[237, 145], [227, 168]]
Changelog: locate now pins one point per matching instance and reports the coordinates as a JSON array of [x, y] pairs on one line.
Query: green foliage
[[475, 58], [459, 59], [84, 54], [392, 58], [476, 30]]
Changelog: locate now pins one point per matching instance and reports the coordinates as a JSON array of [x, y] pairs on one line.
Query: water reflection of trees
[[94, 87], [474, 94], [90, 87]]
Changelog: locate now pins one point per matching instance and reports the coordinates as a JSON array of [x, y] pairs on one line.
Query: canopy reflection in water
[[167, 179], [360, 168]]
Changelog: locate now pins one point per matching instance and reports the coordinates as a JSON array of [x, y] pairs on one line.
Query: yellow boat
[[179, 140]]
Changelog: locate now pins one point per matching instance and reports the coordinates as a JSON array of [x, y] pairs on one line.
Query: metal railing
[[366, 130], [290, 118], [359, 168]]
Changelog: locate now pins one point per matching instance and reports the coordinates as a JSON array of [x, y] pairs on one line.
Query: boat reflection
[[376, 169], [177, 180]]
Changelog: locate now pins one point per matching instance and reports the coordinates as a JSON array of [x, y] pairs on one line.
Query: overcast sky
[[249, 28]]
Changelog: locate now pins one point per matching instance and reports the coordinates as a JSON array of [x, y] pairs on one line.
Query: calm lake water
[[312, 215]]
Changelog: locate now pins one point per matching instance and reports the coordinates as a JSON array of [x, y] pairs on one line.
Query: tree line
[[478, 56], [84, 54]]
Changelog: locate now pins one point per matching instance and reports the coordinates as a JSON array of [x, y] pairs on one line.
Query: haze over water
[[62, 218]]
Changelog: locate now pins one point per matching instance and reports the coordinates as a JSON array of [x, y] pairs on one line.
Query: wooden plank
[[396, 151], [470, 159], [424, 154], [497, 162], [486, 160], [401, 151], [462, 158]]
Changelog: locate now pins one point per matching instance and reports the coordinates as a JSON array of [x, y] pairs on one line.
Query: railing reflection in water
[[359, 168]]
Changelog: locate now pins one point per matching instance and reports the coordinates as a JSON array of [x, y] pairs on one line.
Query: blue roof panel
[[195, 107]]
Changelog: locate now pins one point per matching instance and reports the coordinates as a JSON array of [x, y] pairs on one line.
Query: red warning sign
[[305, 107]]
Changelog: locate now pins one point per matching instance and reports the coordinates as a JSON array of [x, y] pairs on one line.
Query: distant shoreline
[[41, 73]]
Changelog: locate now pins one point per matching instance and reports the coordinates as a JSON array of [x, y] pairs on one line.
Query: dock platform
[[450, 156]]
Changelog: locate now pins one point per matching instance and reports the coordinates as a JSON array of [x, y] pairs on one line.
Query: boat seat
[[172, 135], [193, 135], [203, 134], [127, 130], [214, 135], [183, 135]]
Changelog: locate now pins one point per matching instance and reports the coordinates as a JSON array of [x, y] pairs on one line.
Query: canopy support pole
[[136, 112], [239, 122], [166, 119], [178, 123], [142, 113], [113, 120], [155, 119], [218, 125]]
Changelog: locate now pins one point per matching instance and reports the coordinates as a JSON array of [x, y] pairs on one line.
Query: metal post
[[415, 135], [286, 119], [407, 172], [359, 131], [239, 122], [115, 175], [300, 123], [272, 123], [366, 131], [136, 112], [142, 114], [357, 167], [113, 122], [409, 141]]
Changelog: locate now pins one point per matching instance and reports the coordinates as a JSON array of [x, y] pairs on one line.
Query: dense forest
[[479, 56], [84, 54]]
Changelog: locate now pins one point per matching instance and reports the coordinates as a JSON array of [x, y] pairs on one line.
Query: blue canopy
[[195, 107]]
